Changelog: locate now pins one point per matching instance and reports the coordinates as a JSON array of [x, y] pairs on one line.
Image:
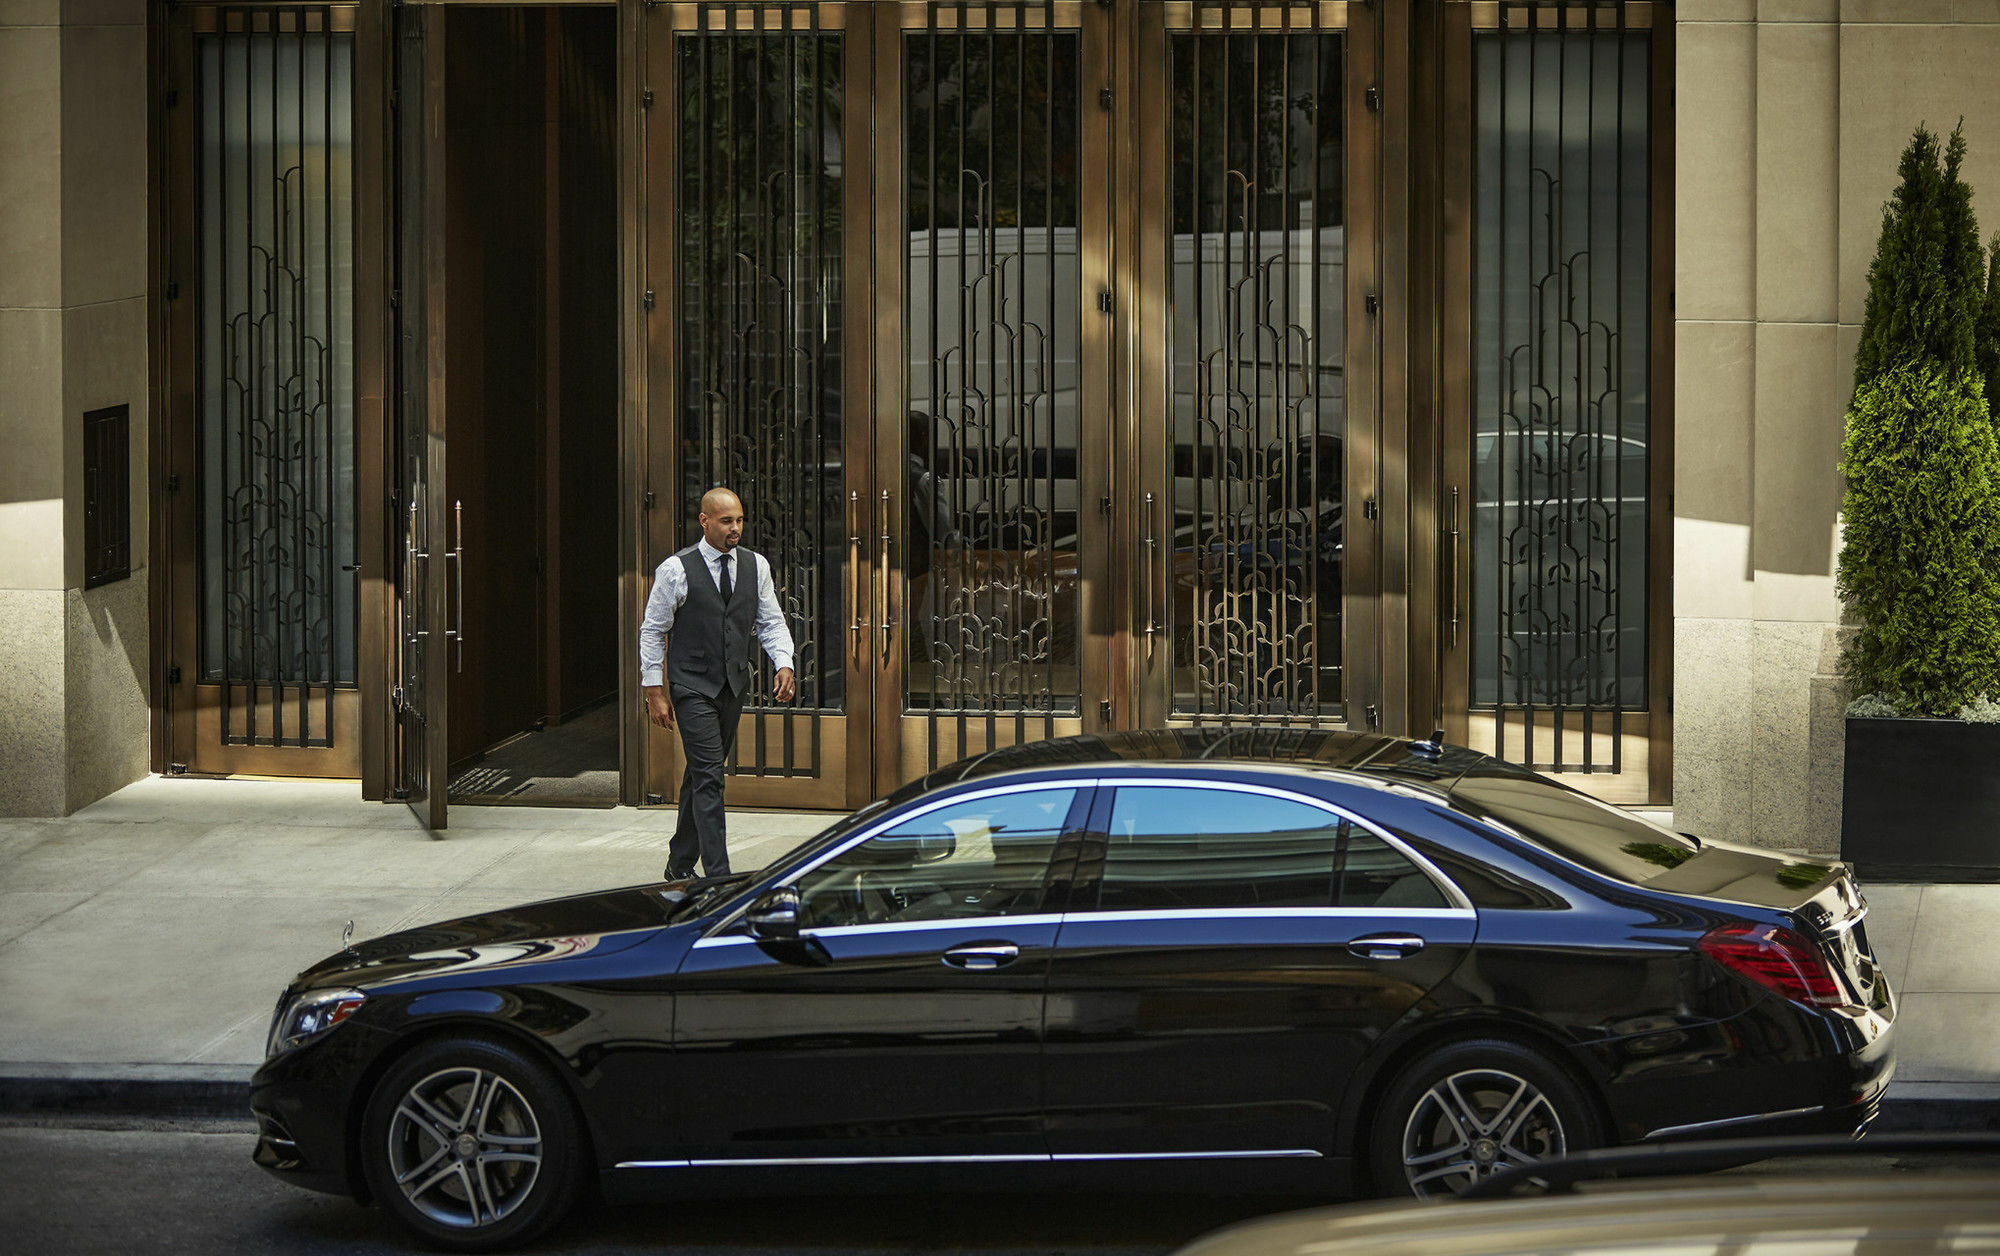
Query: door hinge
[[647, 501], [1369, 510], [1104, 505], [646, 99], [1104, 98], [173, 289], [647, 299], [1373, 302], [1104, 302], [173, 484], [395, 298], [174, 674], [1104, 709], [1374, 98], [173, 97], [1374, 717]]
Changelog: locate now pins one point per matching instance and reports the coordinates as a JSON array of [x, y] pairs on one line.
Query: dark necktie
[[728, 587]]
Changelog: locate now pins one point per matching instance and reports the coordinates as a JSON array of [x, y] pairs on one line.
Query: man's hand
[[782, 686], [658, 709]]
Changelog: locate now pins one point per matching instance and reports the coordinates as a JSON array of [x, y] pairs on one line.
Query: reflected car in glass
[[1298, 958]]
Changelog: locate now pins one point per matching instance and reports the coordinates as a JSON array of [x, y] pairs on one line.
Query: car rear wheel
[[1472, 1109], [472, 1144]]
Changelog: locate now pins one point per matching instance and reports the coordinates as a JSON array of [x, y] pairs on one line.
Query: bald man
[[717, 600]]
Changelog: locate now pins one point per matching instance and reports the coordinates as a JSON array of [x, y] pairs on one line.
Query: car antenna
[[1431, 747]]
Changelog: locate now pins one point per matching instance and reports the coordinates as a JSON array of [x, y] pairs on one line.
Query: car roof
[[1748, 1213], [1364, 756]]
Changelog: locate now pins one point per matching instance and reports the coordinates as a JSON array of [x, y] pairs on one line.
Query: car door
[[906, 1020], [1226, 966]]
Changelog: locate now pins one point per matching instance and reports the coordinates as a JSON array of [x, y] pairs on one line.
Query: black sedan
[[1293, 957]]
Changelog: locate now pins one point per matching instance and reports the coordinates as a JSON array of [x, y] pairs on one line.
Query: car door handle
[[1386, 946], [982, 957]]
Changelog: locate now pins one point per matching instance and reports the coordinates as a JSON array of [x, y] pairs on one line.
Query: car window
[[983, 857], [1176, 847], [1595, 834]]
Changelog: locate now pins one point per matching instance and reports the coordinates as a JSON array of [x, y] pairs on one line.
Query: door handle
[[982, 957], [883, 513], [1386, 946], [854, 571], [1451, 568], [1152, 559]]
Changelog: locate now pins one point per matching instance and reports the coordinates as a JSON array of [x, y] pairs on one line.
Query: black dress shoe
[[671, 875]]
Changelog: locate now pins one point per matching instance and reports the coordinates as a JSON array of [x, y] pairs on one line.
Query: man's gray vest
[[713, 645]]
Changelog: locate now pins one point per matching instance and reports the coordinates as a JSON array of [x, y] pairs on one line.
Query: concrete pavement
[[144, 939]]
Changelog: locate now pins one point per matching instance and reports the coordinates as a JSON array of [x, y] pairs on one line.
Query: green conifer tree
[[1989, 332], [1920, 560]]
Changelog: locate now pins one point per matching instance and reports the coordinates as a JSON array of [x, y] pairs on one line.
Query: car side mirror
[[775, 914]]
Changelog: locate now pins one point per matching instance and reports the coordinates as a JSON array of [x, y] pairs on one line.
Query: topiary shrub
[[1922, 533], [1987, 336], [1920, 560]]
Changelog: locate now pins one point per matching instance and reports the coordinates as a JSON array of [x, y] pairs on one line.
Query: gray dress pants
[[708, 731]]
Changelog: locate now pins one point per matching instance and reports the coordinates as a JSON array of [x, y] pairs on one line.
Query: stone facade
[[1791, 116], [73, 281]]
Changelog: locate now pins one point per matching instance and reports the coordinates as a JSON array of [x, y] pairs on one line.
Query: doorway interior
[[531, 403]]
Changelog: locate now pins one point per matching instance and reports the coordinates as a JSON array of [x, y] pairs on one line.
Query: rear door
[[907, 1020], [1225, 968]]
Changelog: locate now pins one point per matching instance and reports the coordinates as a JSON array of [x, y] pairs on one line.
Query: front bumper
[[304, 1105]]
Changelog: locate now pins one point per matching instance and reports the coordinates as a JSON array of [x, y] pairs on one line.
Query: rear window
[[1596, 834]]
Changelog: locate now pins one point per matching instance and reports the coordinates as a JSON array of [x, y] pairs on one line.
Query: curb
[[151, 1093]]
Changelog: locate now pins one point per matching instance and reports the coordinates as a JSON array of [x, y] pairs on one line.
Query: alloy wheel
[[1472, 1124], [464, 1147]]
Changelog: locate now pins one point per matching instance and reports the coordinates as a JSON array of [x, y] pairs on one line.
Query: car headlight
[[307, 1016]]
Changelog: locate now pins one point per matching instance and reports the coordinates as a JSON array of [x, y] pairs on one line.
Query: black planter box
[[1922, 800]]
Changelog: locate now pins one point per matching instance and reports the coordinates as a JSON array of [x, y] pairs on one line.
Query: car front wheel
[[1470, 1110], [472, 1144]]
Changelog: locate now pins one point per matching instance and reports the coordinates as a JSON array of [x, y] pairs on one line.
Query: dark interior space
[[532, 399]]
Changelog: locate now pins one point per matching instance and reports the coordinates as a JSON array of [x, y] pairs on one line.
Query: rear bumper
[[1776, 1068]]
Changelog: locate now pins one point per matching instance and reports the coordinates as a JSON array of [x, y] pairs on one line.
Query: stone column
[[73, 275]]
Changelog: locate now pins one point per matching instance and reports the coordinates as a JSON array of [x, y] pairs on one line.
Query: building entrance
[[1081, 365]]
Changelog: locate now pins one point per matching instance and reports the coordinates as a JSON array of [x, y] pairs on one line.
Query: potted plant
[[1919, 569]]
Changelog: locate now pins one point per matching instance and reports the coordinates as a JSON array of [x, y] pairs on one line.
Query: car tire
[[472, 1144], [1470, 1109]]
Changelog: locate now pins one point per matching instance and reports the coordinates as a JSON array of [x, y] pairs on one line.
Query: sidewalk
[[144, 939]]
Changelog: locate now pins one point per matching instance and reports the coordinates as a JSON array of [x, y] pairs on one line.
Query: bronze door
[[994, 365], [259, 608], [1255, 433], [1557, 397], [424, 633], [757, 320]]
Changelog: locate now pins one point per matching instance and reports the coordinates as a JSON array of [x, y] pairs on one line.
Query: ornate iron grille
[[1560, 358], [1255, 547], [760, 311], [275, 422], [994, 295]]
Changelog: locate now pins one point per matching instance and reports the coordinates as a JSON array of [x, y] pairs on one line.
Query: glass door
[[758, 328], [993, 345], [1254, 433], [424, 637]]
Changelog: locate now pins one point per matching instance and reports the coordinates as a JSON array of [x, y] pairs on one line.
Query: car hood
[[602, 923]]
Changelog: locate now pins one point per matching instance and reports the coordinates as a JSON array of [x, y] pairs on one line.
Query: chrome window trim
[[1041, 1157], [882, 826], [1275, 913], [1444, 884]]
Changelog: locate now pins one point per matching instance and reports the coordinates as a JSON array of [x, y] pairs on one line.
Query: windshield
[[1599, 836]]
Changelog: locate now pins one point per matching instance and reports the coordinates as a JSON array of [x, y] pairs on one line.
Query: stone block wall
[[73, 280], [1790, 116]]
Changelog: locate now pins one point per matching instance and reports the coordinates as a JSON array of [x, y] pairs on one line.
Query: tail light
[[1778, 958]]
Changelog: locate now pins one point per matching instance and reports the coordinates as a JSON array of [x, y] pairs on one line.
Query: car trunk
[[1819, 895]]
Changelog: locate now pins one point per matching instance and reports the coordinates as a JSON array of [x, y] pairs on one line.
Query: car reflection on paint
[[1297, 958]]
